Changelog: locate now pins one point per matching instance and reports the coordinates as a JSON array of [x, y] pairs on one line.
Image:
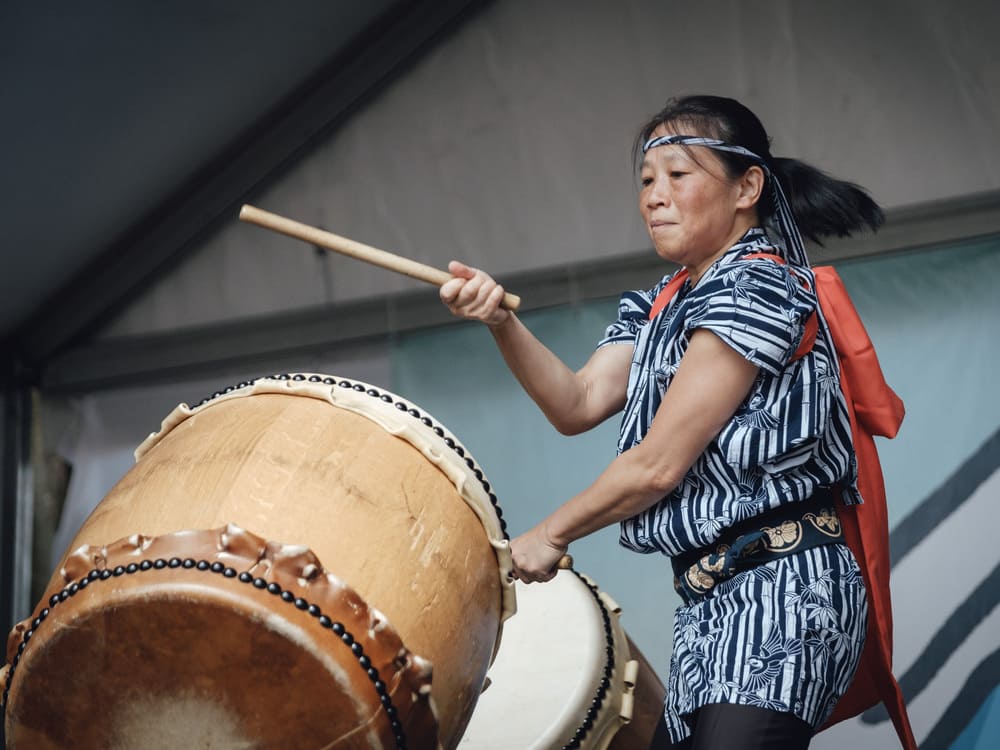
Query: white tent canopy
[[508, 146]]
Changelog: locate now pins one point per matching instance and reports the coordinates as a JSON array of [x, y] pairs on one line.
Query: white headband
[[794, 250]]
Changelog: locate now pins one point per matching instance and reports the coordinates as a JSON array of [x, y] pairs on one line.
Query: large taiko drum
[[566, 676], [298, 562]]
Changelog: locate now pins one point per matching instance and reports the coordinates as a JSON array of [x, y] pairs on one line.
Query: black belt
[[781, 531]]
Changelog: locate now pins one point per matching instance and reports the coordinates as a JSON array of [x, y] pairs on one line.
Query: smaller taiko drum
[[300, 561], [566, 676]]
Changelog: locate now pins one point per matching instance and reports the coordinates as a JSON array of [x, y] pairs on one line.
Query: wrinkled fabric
[[792, 434], [785, 636]]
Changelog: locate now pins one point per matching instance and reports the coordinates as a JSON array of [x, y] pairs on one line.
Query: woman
[[734, 440]]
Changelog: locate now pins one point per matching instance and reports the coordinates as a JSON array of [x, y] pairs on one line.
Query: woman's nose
[[657, 194]]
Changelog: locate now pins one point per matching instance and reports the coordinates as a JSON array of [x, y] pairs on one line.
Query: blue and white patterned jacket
[[789, 437]]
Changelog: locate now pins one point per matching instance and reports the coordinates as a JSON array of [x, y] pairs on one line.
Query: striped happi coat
[[786, 635]]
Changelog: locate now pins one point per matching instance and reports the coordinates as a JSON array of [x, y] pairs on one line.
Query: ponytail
[[823, 206]]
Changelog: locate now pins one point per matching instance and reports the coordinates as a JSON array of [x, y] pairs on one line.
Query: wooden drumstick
[[345, 246]]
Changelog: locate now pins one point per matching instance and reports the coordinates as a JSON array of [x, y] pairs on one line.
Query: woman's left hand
[[535, 556]]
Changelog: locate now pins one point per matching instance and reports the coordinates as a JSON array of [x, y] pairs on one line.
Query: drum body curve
[[324, 496]]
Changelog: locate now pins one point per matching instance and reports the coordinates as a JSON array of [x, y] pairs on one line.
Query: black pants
[[725, 726]]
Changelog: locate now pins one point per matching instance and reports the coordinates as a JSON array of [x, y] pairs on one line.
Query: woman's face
[[693, 211]]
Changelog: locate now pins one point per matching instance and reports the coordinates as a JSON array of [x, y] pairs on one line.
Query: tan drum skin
[[345, 496]]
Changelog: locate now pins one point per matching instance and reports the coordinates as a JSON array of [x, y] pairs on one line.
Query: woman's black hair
[[823, 206]]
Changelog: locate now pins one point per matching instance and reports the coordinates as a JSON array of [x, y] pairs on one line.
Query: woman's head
[[799, 197], [693, 210], [716, 117]]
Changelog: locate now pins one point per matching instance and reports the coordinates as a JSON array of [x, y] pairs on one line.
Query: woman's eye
[[677, 175], [646, 181]]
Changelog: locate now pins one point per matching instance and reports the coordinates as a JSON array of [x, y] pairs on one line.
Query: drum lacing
[[271, 587], [402, 406], [609, 667]]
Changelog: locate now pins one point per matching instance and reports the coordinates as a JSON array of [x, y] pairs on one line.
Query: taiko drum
[[569, 673], [299, 561]]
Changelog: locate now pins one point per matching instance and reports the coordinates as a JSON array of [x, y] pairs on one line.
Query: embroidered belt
[[782, 531]]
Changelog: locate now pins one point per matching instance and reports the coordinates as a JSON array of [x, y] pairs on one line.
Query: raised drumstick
[[344, 246]]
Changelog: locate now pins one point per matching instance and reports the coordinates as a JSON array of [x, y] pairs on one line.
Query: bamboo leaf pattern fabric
[[789, 437]]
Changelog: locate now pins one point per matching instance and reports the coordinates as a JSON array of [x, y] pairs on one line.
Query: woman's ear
[[751, 186]]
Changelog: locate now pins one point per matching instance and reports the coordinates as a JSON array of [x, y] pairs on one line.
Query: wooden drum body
[[566, 676], [283, 567]]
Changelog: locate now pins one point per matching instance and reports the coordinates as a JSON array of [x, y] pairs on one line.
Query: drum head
[[550, 670], [161, 652]]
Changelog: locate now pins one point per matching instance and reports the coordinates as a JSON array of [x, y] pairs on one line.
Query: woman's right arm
[[572, 401]]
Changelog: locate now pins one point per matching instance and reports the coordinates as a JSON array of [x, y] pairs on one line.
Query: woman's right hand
[[474, 295]]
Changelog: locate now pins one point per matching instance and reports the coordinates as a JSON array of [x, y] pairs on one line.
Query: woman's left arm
[[711, 382]]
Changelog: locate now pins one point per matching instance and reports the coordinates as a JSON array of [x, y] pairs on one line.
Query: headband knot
[[794, 249]]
